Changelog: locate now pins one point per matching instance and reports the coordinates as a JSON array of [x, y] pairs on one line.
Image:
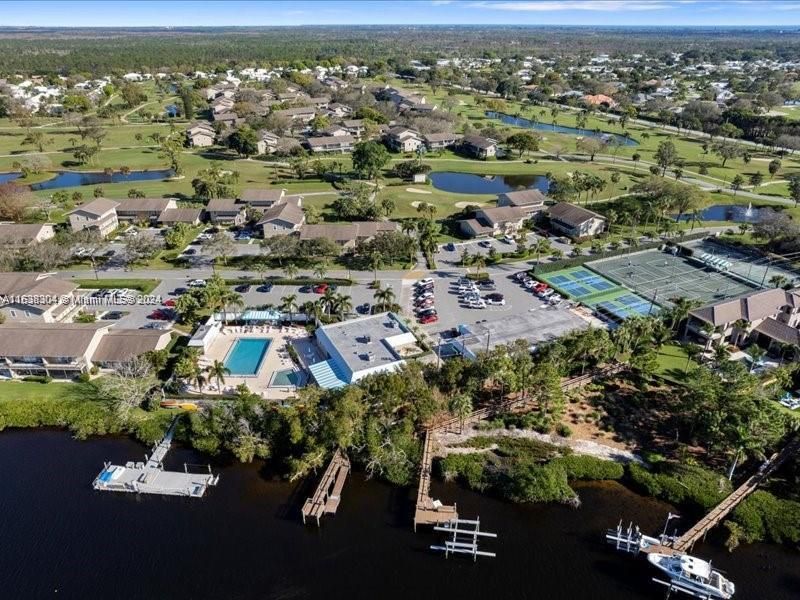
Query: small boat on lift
[[692, 575]]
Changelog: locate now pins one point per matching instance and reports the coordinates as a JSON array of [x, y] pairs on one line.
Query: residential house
[[600, 100], [21, 296], [334, 143], [282, 218], [403, 139], [575, 221], [222, 105], [143, 210], [172, 216], [65, 350], [354, 126], [303, 113], [22, 235], [339, 110], [347, 235], [226, 211], [267, 142], [99, 214], [531, 200], [333, 130], [261, 197], [770, 316], [440, 141], [228, 119], [201, 135], [478, 146], [507, 220]]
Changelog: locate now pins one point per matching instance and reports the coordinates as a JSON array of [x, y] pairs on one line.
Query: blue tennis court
[[578, 282]]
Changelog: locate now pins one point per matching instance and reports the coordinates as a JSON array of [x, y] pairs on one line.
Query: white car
[[477, 304], [555, 299], [132, 232], [508, 239], [530, 283], [546, 293], [495, 300], [197, 283], [424, 282]]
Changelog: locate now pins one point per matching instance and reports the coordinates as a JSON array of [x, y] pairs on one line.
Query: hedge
[[145, 286], [287, 281]]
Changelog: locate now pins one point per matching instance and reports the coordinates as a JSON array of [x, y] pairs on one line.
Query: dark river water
[[61, 539]]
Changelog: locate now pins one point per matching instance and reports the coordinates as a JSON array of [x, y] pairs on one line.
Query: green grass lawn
[[29, 390], [672, 363]]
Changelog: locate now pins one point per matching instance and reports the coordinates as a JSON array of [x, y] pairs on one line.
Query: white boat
[[692, 576]]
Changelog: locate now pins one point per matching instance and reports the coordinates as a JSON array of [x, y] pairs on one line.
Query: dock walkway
[[149, 477], [328, 493], [432, 512], [713, 518]]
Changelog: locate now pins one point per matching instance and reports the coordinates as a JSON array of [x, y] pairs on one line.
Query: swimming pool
[[246, 355], [287, 377]]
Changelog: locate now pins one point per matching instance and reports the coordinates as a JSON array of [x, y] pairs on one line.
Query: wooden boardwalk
[[713, 518], [329, 490], [432, 512]]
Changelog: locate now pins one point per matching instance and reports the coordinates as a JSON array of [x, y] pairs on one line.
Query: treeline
[[101, 51]]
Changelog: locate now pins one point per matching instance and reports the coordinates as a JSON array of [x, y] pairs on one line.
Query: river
[[61, 539]]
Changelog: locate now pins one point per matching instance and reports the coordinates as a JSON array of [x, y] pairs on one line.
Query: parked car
[[114, 315], [539, 287], [495, 300], [508, 239], [427, 319], [477, 303], [546, 293], [159, 315], [555, 298], [428, 304], [190, 251], [423, 296], [521, 276], [427, 311], [450, 247], [169, 302], [320, 288], [161, 326], [197, 283], [264, 287], [244, 288], [179, 291], [485, 244], [424, 282], [531, 284], [363, 309]]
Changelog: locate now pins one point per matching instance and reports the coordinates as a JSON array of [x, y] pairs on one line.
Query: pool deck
[[276, 359]]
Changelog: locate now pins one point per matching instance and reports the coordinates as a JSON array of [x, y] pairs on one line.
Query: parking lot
[[451, 253]]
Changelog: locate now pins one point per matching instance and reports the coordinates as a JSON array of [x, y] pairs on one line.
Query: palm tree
[[199, 380], [680, 309], [721, 355], [692, 352], [376, 262], [778, 280], [460, 406], [328, 300], [320, 270], [384, 297], [313, 308], [218, 370], [289, 305], [344, 304], [741, 328], [290, 271], [480, 263], [230, 299], [756, 353]]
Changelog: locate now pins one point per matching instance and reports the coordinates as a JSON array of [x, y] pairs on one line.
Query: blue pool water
[[64, 179], [528, 124], [246, 355], [287, 377], [468, 183]]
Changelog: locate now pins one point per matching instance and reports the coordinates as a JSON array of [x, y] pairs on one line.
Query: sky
[[176, 13]]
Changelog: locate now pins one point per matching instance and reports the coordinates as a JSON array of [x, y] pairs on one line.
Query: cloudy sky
[[533, 12]]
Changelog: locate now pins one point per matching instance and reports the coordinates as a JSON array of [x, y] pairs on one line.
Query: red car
[[169, 302], [429, 319], [539, 287], [158, 315], [321, 288]]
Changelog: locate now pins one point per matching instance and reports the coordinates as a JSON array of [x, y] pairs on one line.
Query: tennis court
[[605, 297], [659, 276], [578, 283]]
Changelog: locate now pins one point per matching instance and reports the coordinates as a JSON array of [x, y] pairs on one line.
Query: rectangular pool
[[246, 355]]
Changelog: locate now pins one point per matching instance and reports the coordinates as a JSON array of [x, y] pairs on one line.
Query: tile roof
[[285, 211], [97, 207], [261, 194], [778, 331], [752, 306], [48, 339], [525, 197], [572, 215], [120, 345]]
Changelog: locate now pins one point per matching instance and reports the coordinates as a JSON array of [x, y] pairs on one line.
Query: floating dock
[[325, 500], [149, 477]]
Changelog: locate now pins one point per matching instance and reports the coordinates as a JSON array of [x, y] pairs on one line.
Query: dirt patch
[[416, 203], [466, 204], [416, 191]]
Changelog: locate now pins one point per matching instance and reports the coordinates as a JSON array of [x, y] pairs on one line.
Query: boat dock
[[328, 493], [634, 541], [465, 534], [432, 512], [149, 477]]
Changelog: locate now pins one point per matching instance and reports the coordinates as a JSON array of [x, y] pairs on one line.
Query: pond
[[528, 124], [469, 183], [244, 540], [64, 179], [735, 213]]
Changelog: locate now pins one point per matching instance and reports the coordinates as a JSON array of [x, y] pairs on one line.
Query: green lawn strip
[[145, 286], [672, 362]]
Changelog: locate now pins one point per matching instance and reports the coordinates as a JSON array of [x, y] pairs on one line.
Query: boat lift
[[677, 587], [465, 538]]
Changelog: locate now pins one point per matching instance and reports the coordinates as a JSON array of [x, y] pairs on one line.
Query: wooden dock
[[713, 518], [325, 500], [432, 512]]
